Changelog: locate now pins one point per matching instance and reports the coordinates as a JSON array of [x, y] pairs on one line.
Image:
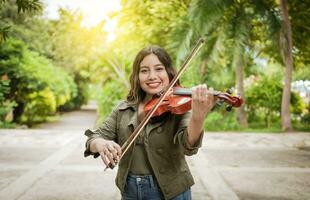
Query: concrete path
[[47, 163]]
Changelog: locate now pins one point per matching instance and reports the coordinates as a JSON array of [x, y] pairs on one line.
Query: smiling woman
[[154, 167], [94, 11]]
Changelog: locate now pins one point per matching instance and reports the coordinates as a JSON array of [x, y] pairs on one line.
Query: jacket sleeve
[[107, 130], [182, 133]]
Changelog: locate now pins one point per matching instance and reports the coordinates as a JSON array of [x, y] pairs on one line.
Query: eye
[[144, 71], [159, 68]]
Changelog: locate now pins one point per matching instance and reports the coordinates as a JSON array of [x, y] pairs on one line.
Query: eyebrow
[[159, 64]]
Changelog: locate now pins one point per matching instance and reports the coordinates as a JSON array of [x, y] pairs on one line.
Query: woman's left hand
[[202, 101]]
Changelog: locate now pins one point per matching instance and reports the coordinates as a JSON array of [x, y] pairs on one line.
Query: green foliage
[[33, 88], [221, 121], [263, 99], [299, 12], [305, 121], [4, 31], [75, 47], [80, 95], [36, 85], [151, 22], [44, 74], [18, 6], [302, 73], [38, 107], [263, 102], [297, 105], [28, 5], [112, 92], [6, 105], [66, 43], [302, 122]]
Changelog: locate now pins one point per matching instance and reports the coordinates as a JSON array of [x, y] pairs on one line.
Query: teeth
[[153, 84]]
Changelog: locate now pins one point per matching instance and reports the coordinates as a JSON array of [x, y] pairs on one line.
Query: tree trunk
[[241, 114], [288, 60]]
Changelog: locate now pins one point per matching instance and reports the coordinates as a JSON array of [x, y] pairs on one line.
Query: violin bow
[[148, 116]]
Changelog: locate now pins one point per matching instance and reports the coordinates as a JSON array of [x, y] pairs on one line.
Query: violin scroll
[[232, 101]]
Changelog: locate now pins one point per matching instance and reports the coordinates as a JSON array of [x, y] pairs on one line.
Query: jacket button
[[159, 129], [160, 150]]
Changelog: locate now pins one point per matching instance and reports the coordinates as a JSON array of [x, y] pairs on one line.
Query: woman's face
[[153, 76]]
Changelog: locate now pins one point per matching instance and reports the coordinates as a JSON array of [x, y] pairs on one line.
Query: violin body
[[174, 103], [180, 101]]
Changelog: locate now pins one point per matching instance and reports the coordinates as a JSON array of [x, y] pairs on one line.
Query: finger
[[118, 149], [194, 93], [113, 151], [104, 159], [205, 93], [200, 93], [170, 92], [109, 155], [102, 150]]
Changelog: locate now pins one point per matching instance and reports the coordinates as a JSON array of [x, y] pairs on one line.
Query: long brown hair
[[136, 94]]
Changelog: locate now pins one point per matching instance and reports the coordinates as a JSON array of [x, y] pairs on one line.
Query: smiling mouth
[[153, 85]]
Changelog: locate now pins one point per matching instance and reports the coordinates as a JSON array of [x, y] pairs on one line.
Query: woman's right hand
[[109, 151]]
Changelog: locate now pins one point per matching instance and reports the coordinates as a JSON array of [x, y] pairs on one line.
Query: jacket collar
[[125, 105], [134, 122]]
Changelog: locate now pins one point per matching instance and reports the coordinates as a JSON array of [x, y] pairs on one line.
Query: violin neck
[[188, 92]]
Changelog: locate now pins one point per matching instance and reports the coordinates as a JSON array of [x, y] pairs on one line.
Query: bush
[[39, 106], [263, 100], [6, 105], [42, 74], [221, 121], [110, 95], [305, 120], [36, 86], [80, 94]]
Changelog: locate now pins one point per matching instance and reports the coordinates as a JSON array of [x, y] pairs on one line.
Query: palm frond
[[4, 32], [269, 13], [28, 5], [205, 14], [117, 66]]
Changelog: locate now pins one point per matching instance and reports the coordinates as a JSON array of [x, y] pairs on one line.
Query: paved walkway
[[47, 163]]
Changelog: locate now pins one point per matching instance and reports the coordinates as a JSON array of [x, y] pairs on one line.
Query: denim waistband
[[138, 178]]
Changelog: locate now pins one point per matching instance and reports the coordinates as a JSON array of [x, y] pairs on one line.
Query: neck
[[147, 98], [188, 92]]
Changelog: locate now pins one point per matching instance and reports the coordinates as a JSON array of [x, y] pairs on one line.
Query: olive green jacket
[[165, 144]]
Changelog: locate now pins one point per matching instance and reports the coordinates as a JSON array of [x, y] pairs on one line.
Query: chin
[[153, 91]]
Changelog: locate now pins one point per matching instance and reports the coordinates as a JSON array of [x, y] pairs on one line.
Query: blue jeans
[[146, 188]]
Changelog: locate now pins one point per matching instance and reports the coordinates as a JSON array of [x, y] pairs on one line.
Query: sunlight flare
[[94, 11]]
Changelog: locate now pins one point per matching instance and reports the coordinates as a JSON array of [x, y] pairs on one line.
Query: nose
[[152, 75]]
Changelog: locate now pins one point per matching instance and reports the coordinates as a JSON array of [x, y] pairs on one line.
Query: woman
[[154, 167]]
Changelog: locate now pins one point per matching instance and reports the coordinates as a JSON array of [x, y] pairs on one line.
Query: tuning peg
[[229, 91], [228, 108]]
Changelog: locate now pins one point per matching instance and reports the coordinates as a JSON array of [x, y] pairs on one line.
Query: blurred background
[[56, 56]]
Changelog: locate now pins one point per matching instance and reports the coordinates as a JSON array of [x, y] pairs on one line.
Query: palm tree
[[228, 27]]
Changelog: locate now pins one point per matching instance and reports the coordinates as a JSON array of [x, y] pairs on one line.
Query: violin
[[180, 101]]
